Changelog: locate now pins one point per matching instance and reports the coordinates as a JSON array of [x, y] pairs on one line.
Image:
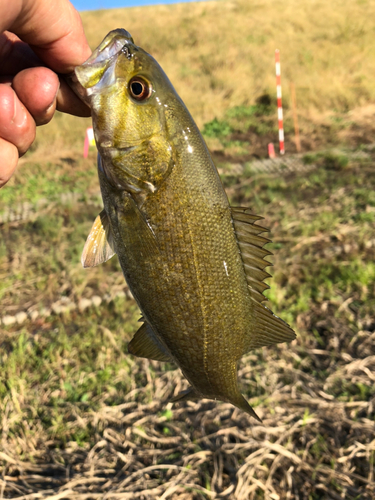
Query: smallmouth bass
[[194, 265]]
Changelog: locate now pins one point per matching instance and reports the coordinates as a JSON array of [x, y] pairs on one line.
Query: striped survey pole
[[279, 104]]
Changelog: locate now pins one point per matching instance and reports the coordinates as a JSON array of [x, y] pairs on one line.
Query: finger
[[8, 160], [15, 55], [34, 86], [69, 102], [37, 89], [53, 30], [42, 93], [16, 124]]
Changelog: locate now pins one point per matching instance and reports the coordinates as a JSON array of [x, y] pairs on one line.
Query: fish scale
[[194, 265]]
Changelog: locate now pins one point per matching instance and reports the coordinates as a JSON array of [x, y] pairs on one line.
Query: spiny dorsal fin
[[99, 246], [252, 251], [145, 344], [268, 329]]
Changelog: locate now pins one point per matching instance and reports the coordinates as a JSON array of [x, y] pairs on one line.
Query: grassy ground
[[220, 54], [82, 419]]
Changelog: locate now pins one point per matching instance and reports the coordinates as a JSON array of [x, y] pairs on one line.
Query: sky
[[110, 4]]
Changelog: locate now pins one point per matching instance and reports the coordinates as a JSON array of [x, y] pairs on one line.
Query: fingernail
[[19, 116], [50, 108]]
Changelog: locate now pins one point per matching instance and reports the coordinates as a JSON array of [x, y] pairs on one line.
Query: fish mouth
[[112, 44], [93, 69]]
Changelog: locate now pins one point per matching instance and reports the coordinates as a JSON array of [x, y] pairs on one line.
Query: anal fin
[[145, 344]]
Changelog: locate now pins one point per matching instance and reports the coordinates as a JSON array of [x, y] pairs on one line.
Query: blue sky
[[109, 4]]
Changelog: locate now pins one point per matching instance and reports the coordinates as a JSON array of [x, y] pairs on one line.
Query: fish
[[194, 265]]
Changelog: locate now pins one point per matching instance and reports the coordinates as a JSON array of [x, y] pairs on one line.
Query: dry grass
[[309, 445], [220, 54]]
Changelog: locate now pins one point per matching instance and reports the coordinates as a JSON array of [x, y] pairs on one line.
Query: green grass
[[44, 256], [233, 133], [233, 80], [242, 119], [73, 363], [37, 180], [331, 160]]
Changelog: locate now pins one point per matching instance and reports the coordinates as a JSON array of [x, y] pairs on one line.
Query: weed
[[335, 162], [216, 128]]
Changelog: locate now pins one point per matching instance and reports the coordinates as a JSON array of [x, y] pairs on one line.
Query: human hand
[[38, 40]]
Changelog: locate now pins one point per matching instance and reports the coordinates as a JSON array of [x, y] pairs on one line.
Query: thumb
[[53, 29]]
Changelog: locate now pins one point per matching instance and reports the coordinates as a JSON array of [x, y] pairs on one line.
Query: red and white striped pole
[[279, 104]]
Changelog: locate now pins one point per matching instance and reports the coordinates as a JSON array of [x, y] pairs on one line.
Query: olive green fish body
[[194, 265], [187, 274]]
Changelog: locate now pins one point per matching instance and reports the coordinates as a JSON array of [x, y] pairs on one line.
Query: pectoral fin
[[136, 231], [99, 246], [187, 395], [145, 344]]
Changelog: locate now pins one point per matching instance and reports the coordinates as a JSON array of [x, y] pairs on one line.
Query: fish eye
[[139, 88]]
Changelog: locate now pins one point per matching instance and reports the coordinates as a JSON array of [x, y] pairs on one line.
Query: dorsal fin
[[99, 246], [146, 344], [268, 329], [252, 251]]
